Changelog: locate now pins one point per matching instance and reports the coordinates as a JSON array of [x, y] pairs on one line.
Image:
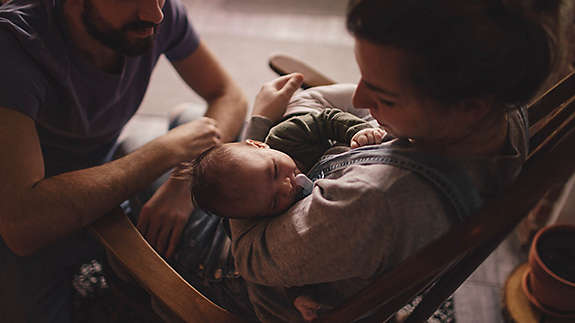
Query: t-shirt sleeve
[[180, 37], [22, 85]]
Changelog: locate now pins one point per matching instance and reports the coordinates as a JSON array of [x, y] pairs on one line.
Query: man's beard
[[117, 39]]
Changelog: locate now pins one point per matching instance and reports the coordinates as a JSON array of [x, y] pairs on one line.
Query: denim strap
[[448, 178]]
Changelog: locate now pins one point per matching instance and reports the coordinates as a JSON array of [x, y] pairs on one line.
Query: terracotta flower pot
[[549, 284]]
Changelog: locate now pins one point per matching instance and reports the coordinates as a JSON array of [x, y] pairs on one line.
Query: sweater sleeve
[[257, 128], [321, 97], [306, 137]]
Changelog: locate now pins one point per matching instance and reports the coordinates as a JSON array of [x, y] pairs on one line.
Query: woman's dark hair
[[461, 49]]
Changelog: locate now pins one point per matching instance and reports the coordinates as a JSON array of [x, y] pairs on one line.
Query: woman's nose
[[151, 11], [359, 99]]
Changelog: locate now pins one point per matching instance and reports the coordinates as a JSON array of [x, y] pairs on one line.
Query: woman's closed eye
[[386, 102]]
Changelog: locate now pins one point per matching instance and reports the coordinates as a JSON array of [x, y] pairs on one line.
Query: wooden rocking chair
[[444, 264]]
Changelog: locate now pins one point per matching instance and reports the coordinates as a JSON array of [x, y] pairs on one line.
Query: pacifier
[[305, 183]]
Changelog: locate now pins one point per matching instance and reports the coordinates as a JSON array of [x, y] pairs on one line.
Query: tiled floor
[[243, 34], [479, 299]]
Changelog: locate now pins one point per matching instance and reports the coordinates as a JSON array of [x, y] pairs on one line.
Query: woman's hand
[[164, 216], [370, 136], [274, 96]]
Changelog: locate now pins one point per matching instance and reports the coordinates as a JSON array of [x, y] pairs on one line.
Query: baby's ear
[[257, 144]]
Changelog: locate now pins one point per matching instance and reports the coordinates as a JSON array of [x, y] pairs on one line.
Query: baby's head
[[244, 179]]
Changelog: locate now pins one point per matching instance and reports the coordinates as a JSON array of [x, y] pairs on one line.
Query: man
[[73, 73]]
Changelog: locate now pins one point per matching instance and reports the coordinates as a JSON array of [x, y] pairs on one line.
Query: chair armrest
[[283, 65], [121, 238]]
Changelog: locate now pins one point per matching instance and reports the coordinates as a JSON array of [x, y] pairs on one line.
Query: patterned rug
[[444, 314], [100, 298]]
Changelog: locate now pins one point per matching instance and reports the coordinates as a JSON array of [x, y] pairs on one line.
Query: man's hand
[[271, 102], [370, 136], [164, 216], [307, 307], [192, 138]]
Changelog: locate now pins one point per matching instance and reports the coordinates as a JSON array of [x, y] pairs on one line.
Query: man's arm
[[164, 216], [35, 210], [226, 103]]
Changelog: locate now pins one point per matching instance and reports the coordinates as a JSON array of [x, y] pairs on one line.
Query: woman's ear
[[475, 109], [72, 11], [257, 144]]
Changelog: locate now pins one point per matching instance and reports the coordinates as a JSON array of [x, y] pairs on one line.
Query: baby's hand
[[307, 307], [369, 136]]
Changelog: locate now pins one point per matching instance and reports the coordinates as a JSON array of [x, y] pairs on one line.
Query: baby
[[253, 179]]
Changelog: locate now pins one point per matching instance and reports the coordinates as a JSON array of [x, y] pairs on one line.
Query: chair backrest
[[283, 65], [550, 115], [449, 260]]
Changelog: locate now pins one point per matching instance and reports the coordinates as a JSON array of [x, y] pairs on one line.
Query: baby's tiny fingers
[[370, 137], [362, 140]]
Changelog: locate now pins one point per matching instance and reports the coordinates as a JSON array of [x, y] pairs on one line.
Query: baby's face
[[266, 178]]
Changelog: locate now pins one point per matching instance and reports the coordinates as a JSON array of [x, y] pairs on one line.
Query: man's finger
[[143, 221], [152, 234], [175, 238], [163, 238]]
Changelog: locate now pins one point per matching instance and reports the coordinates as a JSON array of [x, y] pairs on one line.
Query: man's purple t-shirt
[[79, 110]]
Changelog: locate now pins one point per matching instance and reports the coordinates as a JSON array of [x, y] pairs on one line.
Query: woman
[[445, 78]]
